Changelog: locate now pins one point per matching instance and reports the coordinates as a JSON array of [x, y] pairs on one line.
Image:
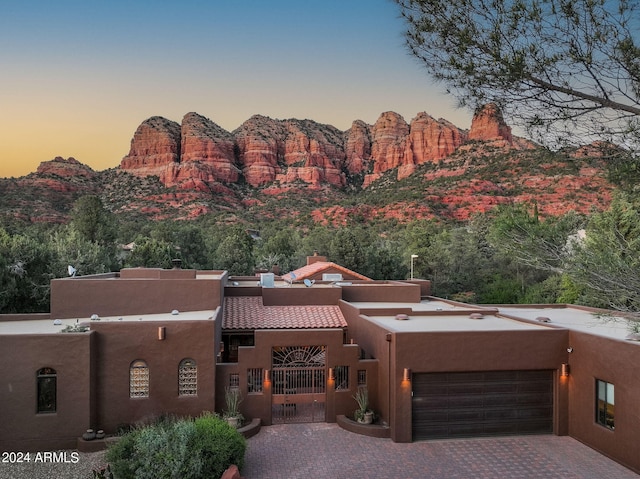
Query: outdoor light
[[413, 256], [406, 374], [565, 370], [161, 333], [267, 376], [332, 376]]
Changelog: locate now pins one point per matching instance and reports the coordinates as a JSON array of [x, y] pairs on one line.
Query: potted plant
[[363, 414], [232, 413]]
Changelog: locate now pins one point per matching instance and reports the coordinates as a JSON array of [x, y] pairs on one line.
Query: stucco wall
[[119, 344], [81, 297], [616, 362], [21, 356]]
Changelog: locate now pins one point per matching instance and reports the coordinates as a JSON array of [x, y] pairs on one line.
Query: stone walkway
[[325, 451]]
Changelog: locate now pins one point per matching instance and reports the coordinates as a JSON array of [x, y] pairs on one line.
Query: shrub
[[178, 448]]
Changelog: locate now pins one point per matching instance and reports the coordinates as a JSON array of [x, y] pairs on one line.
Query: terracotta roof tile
[[318, 267], [248, 312]]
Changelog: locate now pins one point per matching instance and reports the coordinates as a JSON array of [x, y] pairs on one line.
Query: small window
[[138, 379], [342, 377], [605, 404], [234, 380], [47, 385], [187, 378], [362, 377], [254, 380]]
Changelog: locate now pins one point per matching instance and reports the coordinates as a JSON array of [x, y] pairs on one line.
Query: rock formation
[[198, 154], [488, 125], [68, 168]]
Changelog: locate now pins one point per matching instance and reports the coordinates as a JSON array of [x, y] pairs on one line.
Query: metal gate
[[299, 384]]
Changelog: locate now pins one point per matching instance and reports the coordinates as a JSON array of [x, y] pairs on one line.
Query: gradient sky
[[78, 77]]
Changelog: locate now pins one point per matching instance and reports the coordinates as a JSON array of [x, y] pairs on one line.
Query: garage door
[[490, 403]]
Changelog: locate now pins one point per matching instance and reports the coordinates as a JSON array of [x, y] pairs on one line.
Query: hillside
[[306, 171]]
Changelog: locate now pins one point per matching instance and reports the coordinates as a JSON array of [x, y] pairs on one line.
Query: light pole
[[413, 256]]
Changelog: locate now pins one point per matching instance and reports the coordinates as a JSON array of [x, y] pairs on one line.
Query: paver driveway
[[325, 451]]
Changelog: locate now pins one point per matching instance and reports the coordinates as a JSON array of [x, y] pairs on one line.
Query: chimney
[[316, 258], [177, 263]]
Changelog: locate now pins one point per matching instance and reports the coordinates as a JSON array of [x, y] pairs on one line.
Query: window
[[187, 378], [234, 380], [138, 379], [47, 383], [605, 404], [342, 377], [254, 380], [362, 377]]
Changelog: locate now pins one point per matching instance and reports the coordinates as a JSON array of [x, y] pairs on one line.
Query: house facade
[[146, 342]]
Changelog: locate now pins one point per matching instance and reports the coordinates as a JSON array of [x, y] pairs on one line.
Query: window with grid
[[47, 384], [342, 377], [187, 378], [138, 379], [234, 380], [362, 377], [605, 404], [254, 380]]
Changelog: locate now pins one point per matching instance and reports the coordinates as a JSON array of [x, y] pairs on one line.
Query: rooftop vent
[[476, 316], [401, 317], [332, 277], [543, 319], [177, 263]]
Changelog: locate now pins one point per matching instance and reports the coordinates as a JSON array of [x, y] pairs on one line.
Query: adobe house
[[171, 341]]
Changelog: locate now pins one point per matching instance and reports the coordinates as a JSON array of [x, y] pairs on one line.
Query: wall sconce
[[406, 374], [267, 376], [162, 331], [565, 370], [332, 376]]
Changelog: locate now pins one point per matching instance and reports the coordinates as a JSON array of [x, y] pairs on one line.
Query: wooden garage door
[[490, 403]]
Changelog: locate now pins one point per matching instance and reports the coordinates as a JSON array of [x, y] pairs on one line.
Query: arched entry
[[299, 384]]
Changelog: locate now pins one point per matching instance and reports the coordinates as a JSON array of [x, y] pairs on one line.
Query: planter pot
[[233, 422], [90, 435], [367, 419], [100, 434]]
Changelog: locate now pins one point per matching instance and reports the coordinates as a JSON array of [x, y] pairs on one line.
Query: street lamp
[[413, 256]]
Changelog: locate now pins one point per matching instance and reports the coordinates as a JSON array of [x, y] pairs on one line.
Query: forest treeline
[[509, 255]]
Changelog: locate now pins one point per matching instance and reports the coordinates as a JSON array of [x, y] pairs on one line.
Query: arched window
[[187, 378], [47, 385], [138, 379]]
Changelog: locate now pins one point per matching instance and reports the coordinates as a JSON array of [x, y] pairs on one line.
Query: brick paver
[[325, 451]]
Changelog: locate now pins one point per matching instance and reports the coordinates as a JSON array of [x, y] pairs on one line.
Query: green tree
[[151, 253], [606, 260], [235, 252], [92, 221], [552, 65], [25, 274]]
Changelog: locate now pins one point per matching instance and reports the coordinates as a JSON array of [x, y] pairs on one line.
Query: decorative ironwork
[[254, 380], [297, 356], [188, 378], [299, 384], [138, 379], [342, 377]]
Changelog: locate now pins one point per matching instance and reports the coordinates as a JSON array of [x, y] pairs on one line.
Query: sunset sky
[[78, 77]]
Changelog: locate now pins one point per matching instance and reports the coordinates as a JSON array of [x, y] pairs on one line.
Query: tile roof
[[248, 312], [311, 270]]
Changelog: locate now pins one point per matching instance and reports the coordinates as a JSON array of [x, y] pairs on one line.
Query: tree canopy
[[562, 68]]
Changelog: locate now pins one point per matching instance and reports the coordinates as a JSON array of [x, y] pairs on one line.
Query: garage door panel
[[482, 403]]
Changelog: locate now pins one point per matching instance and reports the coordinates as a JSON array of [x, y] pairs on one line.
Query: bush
[[178, 448]]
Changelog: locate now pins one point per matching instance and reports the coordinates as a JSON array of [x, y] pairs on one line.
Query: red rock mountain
[[200, 155]]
